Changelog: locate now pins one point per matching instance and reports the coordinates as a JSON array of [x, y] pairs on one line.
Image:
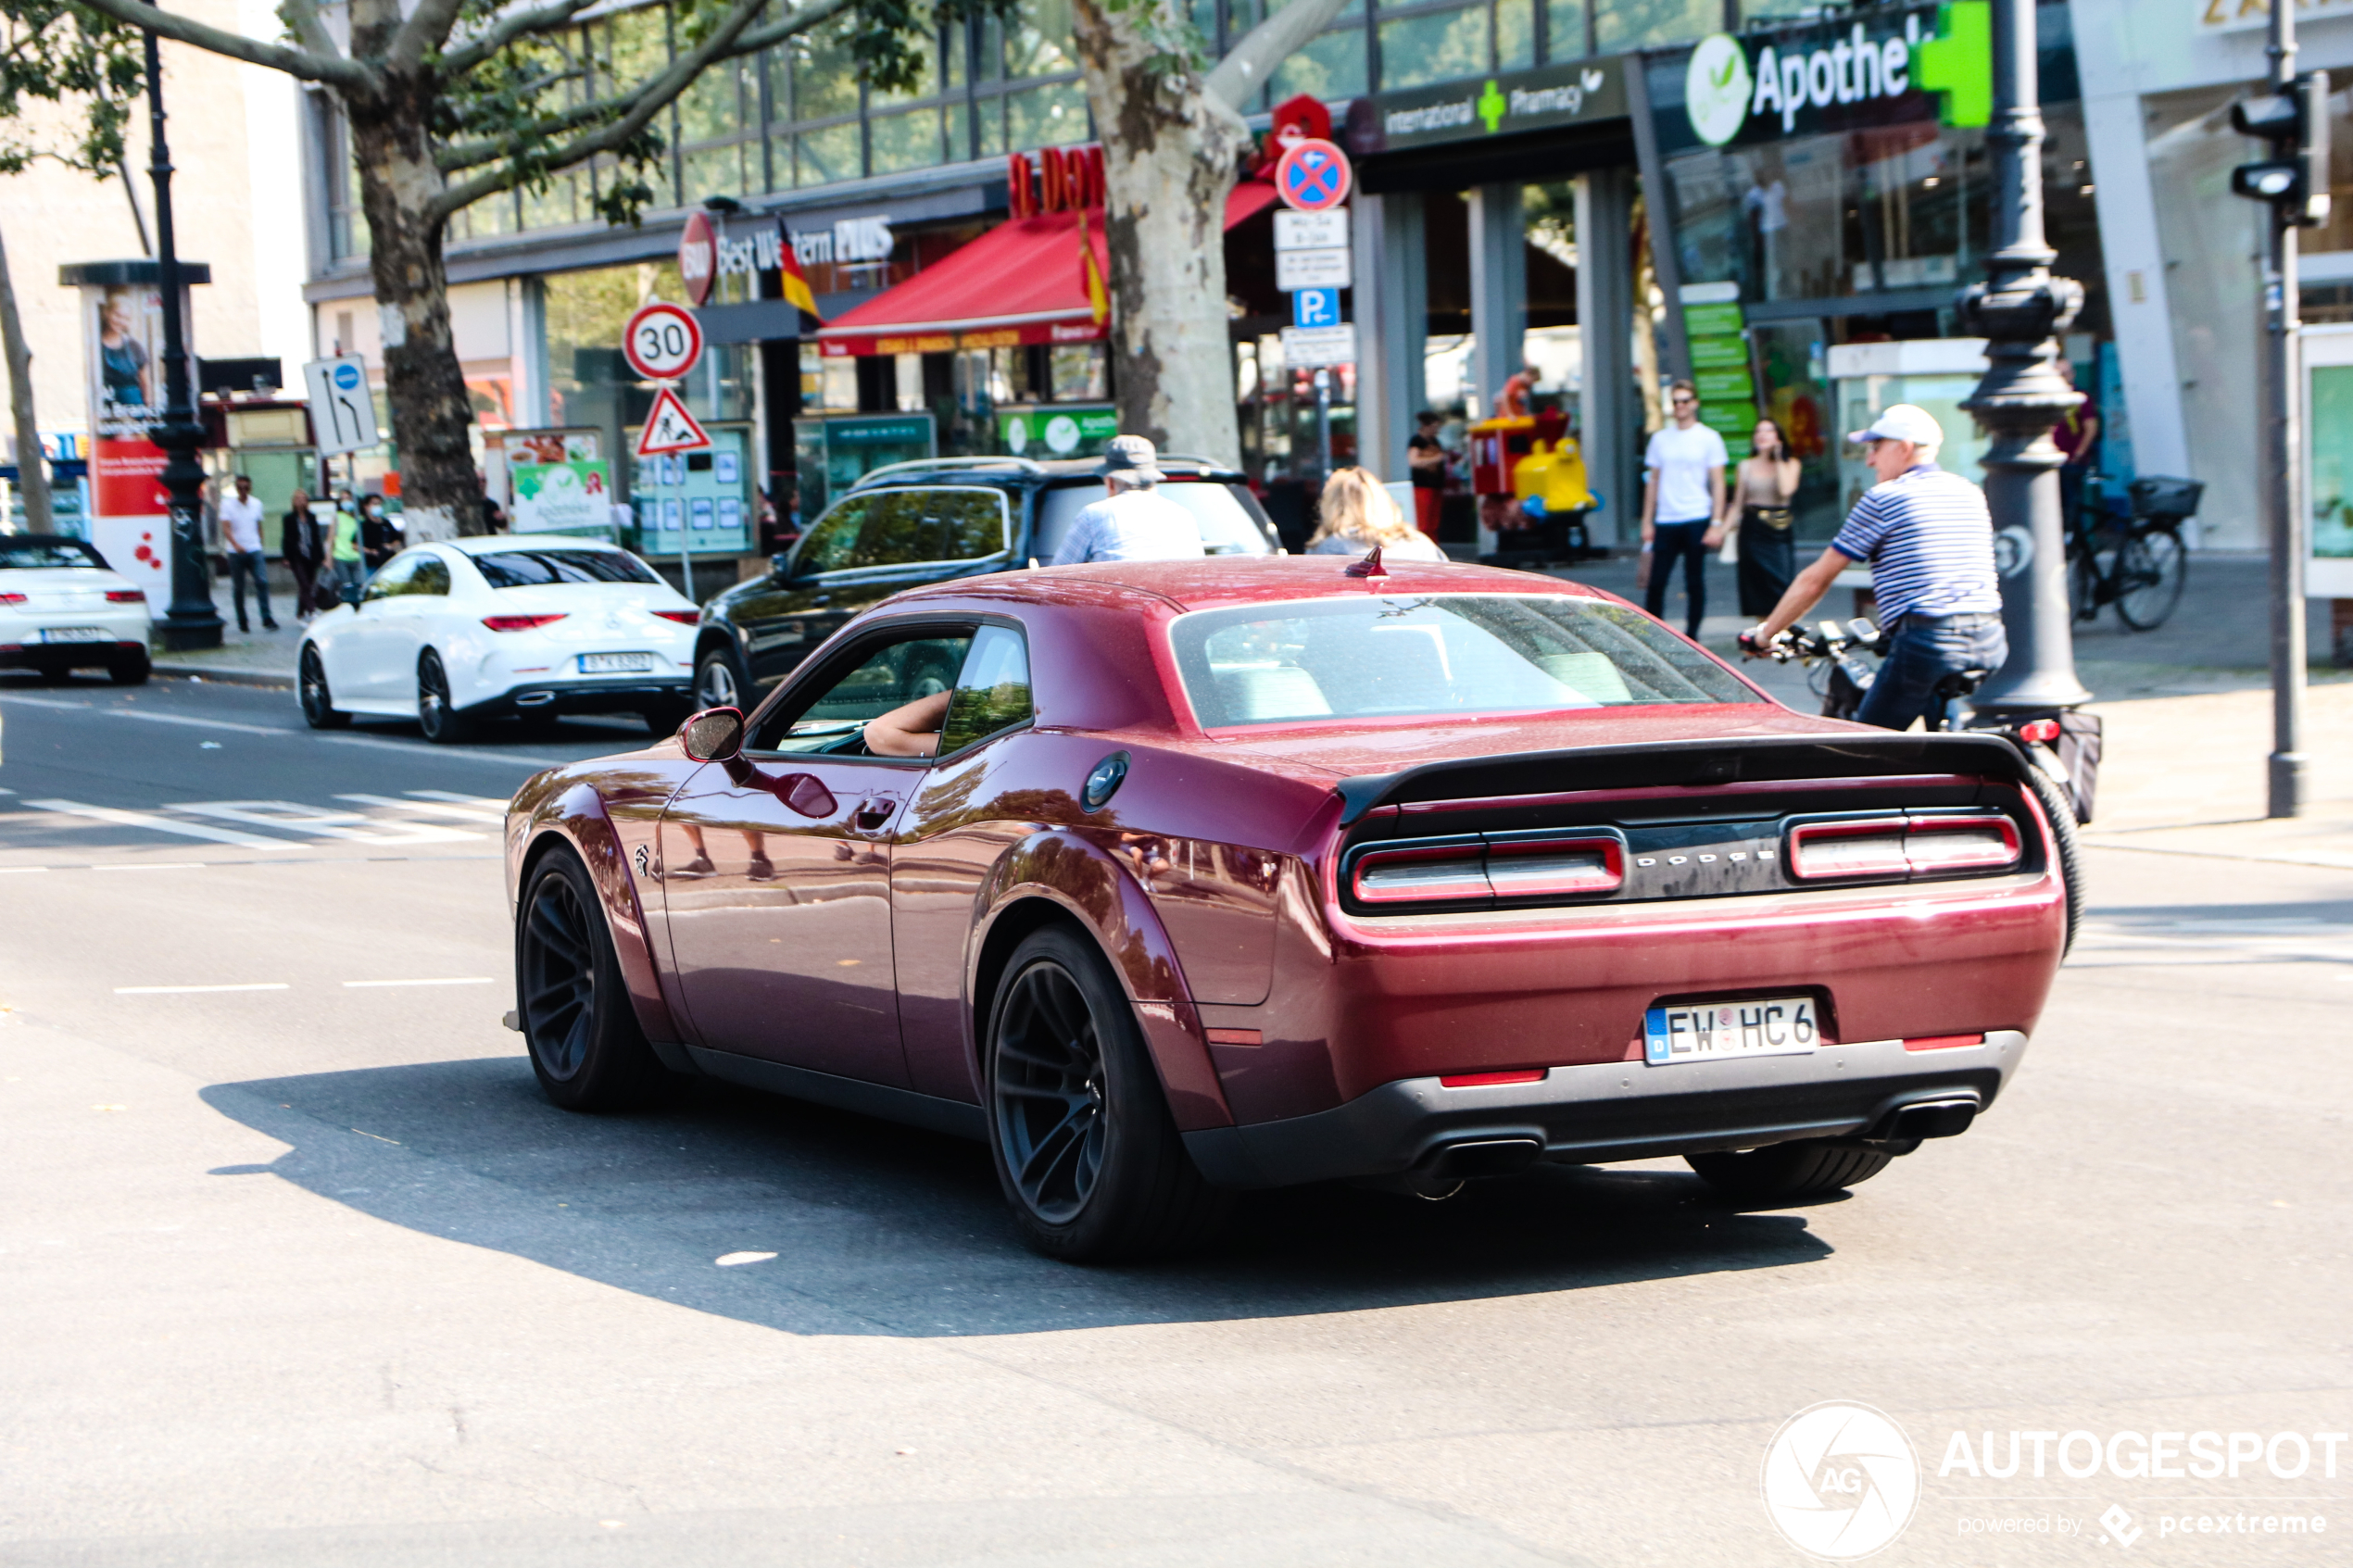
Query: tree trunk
[[32, 475], [440, 489], [1171, 152]]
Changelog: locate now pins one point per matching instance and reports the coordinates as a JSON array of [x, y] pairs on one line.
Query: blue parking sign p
[[1315, 307]]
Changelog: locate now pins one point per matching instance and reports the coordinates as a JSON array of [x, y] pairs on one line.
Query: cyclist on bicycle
[[1929, 543]]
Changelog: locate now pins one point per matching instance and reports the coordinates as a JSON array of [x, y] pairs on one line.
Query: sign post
[[1313, 263], [662, 342]]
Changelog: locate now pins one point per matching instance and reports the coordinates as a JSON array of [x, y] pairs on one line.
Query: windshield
[[21, 554], [917, 526], [533, 569], [1435, 654], [1226, 514]]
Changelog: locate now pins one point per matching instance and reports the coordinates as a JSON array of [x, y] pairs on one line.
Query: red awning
[[1020, 283]]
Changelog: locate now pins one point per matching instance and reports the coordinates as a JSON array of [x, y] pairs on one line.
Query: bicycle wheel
[[2151, 566]]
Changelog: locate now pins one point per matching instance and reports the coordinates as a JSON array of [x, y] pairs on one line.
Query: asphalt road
[[297, 1266]]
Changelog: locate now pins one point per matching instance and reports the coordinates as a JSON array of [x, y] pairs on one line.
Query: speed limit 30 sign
[[662, 342]]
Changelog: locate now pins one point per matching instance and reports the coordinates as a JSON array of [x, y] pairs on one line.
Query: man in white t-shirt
[[1682, 505], [1131, 523], [240, 542]]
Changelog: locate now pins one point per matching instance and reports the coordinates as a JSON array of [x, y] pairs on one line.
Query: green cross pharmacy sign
[[1843, 75]]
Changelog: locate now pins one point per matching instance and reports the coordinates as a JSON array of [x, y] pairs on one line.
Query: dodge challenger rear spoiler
[[1688, 764]]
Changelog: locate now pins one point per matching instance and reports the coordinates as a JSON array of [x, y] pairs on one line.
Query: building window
[[1648, 24]]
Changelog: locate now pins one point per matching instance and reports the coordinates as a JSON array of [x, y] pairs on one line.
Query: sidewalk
[[254, 657]]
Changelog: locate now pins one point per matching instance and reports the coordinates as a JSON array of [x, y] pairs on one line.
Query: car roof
[[481, 543], [1213, 581], [1028, 470]]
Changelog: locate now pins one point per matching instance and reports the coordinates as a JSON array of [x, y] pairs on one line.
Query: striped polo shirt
[[1930, 541]]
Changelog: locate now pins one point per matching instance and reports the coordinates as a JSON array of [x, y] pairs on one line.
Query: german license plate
[[76, 634], [1710, 1030], [615, 663]]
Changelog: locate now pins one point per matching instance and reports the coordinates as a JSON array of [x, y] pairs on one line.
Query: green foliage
[[59, 52]]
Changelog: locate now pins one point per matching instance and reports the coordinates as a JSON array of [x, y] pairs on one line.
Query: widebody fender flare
[[576, 817], [1088, 881]]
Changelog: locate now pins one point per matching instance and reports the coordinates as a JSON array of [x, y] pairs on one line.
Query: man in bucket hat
[[1930, 541], [1132, 522]]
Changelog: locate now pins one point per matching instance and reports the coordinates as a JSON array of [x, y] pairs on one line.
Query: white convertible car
[[463, 630], [62, 609]]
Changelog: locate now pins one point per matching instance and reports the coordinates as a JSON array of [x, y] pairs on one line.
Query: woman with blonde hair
[[1356, 514]]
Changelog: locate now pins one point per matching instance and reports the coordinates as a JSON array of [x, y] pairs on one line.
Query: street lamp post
[[2020, 309], [192, 623]]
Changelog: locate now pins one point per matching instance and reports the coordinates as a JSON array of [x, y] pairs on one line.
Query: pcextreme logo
[[1838, 76]]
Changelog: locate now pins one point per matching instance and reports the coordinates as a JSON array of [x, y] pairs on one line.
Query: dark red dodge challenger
[[1168, 880]]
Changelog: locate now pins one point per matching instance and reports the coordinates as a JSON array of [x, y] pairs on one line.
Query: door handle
[[874, 811]]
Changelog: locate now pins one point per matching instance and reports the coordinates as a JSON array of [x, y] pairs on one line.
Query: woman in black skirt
[[1765, 485]]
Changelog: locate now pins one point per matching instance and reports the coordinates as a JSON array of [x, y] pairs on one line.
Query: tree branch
[[302, 19], [427, 27], [515, 24], [728, 41], [1248, 65], [332, 69]]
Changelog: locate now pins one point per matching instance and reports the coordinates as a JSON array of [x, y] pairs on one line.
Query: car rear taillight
[[684, 616], [12, 598], [1923, 845], [1422, 873], [518, 622], [1479, 1080], [1817, 850], [1532, 869], [126, 596]]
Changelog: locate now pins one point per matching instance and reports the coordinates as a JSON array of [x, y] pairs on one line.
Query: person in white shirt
[[1683, 506], [1356, 514], [1131, 522], [240, 542]]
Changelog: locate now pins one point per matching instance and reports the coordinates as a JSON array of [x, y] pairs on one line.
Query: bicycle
[[2147, 564]]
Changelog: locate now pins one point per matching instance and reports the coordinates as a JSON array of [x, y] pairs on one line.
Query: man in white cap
[[1930, 541], [1131, 522]]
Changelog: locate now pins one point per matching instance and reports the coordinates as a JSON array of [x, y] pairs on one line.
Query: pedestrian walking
[[1763, 526], [343, 552], [241, 517], [378, 536], [303, 545], [1130, 522], [1683, 506], [1929, 541], [1355, 515], [1426, 466]]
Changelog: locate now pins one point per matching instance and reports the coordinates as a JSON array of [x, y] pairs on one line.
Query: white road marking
[[732, 1259], [292, 816], [467, 980], [154, 824], [192, 990], [454, 753], [150, 716], [463, 754], [486, 803], [170, 865], [16, 871], [427, 808]]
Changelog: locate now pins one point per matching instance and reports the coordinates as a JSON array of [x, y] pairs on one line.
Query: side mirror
[[713, 736]]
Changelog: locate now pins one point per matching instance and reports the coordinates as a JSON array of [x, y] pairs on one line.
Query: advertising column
[[123, 331]]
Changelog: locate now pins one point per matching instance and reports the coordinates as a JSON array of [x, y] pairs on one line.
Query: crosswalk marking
[[430, 808], [293, 817], [153, 824]]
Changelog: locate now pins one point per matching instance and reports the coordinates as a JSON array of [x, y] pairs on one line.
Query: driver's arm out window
[[833, 720]]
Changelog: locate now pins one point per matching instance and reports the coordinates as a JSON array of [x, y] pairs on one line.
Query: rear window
[[533, 569], [1227, 515], [1435, 654], [33, 555]]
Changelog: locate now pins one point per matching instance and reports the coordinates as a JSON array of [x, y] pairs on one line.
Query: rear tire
[[318, 701], [1788, 1172], [130, 669], [2061, 812], [587, 1047], [437, 713], [1090, 1161]]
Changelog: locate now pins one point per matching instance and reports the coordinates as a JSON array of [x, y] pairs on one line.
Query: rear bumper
[[1612, 1110], [68, 656], [630, 695]]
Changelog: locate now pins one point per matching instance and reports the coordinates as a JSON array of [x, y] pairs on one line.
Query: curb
[[178, 671]]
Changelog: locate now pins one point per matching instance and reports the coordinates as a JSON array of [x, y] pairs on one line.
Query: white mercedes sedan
[[464, 630], [62, 609]]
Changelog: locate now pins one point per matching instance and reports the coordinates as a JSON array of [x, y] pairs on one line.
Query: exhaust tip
[[1935, 1119], [1484, 1157]]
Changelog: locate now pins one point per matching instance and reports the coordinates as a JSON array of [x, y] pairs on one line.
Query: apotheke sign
[[1906, 67]]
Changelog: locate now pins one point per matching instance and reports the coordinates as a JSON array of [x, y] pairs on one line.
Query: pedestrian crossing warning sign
[[669, 428]]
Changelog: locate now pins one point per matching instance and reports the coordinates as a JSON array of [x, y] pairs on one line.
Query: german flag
[[797, 283]]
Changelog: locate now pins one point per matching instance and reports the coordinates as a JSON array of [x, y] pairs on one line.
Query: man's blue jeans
[[250, 564], [1924, 650]]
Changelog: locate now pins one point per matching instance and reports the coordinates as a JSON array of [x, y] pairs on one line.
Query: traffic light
[[2295, 179]]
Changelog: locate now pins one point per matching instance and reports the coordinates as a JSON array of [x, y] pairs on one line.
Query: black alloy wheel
[[585, 1044], [1089, 1159], [318, 702], [718, 683], [1789, 1173], [437, 713]]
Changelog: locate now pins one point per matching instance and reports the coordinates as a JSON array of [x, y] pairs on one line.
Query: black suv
[[912, 523]]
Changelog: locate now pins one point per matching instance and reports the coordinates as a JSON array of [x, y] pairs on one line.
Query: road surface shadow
[[883, 1229]]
